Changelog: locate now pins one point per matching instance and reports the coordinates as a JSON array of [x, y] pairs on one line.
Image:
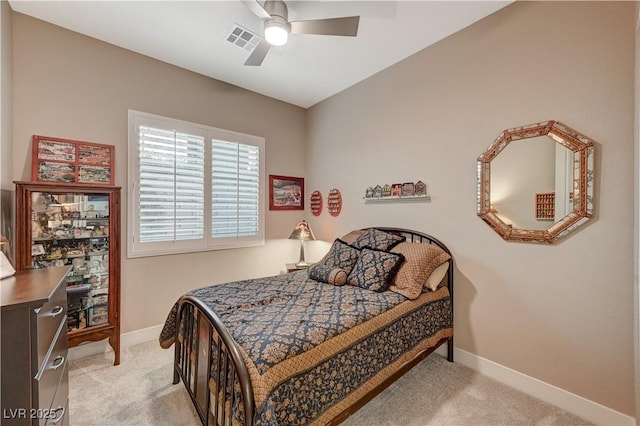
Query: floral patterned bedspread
[[275, 318], [312, 348]]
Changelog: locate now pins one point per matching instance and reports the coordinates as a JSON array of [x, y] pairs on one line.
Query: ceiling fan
[[277, 27]]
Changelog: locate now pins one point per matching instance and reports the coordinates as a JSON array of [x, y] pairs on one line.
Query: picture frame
[[72, 162], [286, 193]]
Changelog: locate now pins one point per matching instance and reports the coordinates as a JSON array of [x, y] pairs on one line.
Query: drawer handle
[[57, 311], [57, 362], [58, 418]]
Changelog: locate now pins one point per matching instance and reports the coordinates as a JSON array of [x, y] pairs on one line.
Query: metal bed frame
[[193, 360]]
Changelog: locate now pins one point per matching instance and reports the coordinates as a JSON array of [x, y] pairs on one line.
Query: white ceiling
[[308, 69]]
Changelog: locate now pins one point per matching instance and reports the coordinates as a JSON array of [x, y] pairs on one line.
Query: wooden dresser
[[35, 384]]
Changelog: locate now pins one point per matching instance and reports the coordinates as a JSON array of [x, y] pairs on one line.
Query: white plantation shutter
[[171, 185], [193, 187], [235, 189]]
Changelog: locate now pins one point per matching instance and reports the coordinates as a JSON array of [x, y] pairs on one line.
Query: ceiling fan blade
[[256, 8], [347, 26], [258, 54]]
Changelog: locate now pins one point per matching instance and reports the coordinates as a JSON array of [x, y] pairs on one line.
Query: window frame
[[135, 248]]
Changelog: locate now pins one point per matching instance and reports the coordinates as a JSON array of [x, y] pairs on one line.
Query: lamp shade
[[302, 232]]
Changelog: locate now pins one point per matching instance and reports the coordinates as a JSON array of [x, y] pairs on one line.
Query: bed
[[313, 346]]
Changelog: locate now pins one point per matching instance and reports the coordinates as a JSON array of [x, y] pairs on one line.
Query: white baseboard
[[126, 340], [570, 402]]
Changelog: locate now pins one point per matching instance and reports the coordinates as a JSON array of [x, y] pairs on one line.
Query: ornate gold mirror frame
[[582, 148]]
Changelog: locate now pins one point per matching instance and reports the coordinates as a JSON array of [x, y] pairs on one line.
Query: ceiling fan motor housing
[[277, 8]]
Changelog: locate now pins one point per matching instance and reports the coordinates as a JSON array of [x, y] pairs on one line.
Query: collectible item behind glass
[[74, 229]]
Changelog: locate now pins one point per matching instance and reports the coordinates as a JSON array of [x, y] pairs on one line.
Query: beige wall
[[7, 227], [562, 313], [71, 86], [6, 95]]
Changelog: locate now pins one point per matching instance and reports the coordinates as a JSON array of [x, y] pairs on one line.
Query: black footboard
[[211, 367]]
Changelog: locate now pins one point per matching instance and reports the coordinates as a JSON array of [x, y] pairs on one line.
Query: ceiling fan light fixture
[[276, 31]]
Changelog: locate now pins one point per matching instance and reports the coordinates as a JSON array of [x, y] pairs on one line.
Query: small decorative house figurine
[[369, 193], [420, 188], [386, 190], [377, 191], [408, 189], [396, 190]]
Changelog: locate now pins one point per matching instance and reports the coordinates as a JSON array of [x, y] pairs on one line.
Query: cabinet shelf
[[78, 288], [37, 240]]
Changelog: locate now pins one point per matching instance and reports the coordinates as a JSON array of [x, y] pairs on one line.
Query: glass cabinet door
[[78, 226], [73, 229]]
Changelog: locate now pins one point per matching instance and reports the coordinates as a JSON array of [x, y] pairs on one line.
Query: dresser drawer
[[52, 369], [59, 419], [58, 413], [49, 318]]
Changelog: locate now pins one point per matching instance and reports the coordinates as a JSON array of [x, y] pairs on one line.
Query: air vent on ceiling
[[243, 38]]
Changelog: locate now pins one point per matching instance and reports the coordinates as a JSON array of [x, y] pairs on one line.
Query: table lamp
[[302, 232]]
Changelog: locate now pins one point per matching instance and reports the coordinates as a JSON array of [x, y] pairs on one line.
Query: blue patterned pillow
[[375, 269], [341, 255], [377, 239], [326, 274]]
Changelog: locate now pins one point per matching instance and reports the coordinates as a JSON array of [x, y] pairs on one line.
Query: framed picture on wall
[[72, 162], [286, 193]]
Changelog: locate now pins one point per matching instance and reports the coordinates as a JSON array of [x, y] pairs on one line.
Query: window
[[192, 187]]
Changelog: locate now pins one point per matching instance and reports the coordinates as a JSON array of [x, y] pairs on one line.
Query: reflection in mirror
[[523, 170], [540, 188]]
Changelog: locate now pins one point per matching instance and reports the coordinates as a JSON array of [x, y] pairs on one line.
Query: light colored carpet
[[435, 392], [136, 392]]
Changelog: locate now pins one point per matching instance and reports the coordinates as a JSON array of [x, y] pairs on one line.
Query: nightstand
[[292, 267]]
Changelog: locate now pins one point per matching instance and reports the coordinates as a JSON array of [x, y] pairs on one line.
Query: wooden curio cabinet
[[79, 226]]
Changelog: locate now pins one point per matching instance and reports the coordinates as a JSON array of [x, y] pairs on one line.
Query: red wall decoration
[[316, 203], [334, 202]]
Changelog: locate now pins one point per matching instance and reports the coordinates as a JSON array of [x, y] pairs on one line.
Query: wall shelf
[[398, 199]]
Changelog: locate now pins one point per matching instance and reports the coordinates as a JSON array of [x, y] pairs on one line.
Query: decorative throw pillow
[[436, 276], [325, 274], [341, 255], [377, 239], [375, 269], [352, 236], [422, 260]]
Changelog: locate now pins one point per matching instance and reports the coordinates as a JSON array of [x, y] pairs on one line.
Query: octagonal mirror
[[535, 182]]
